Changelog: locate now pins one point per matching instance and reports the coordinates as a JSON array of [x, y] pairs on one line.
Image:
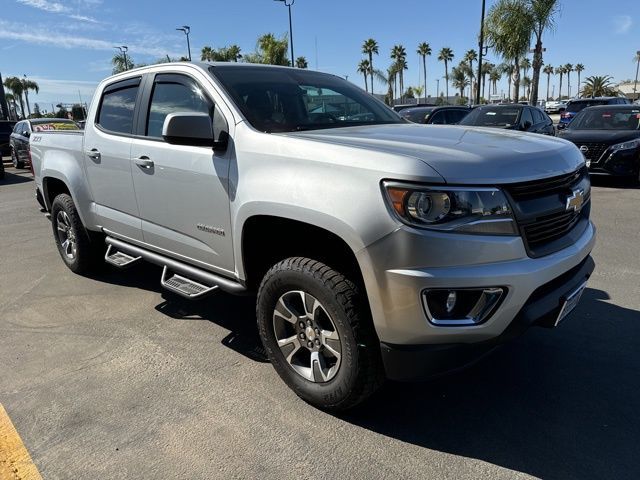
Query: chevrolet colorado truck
[[376, 248]]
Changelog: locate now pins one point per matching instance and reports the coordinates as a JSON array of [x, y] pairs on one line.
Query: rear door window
[[117, 106], [454, 116], [526, 120]]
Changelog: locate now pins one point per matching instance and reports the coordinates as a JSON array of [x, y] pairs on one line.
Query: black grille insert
[[594, 150], [547, 186]]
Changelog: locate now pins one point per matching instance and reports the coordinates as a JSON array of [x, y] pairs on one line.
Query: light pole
[[288, 4], [186, 29], [635, 84], [123, 50]]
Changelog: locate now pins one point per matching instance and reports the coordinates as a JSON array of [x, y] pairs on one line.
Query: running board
[[185, 287], [119, 259], [188, 272]]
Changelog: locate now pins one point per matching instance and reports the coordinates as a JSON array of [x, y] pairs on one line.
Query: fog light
[[465, 306]]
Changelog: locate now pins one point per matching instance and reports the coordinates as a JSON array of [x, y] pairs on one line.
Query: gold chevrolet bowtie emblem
[[575, 201]]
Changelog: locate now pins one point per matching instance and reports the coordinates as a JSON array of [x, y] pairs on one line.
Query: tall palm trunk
[[578, 94], [548, 84], [537, 66], [424, 69], [371, 67], [366, 85], [446, 78], [568, 84], [26, 97], [560, 89], [516, 79]]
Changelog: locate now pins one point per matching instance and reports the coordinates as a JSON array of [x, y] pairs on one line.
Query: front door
[[182, 191], [107, 153]]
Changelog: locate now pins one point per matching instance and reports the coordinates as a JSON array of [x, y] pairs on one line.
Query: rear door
[[455, 115], [107, 150], [182, 191]]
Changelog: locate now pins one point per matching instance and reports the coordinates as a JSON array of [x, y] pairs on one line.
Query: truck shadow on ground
[[557, 403], [234, 313]]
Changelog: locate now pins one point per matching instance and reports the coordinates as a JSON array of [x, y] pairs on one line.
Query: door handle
[[93, 154], [144, 162]]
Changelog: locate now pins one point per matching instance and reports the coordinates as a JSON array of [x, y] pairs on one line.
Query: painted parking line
[[15, 462]]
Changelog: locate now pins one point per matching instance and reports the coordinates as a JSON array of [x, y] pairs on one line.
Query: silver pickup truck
[[377, 248]]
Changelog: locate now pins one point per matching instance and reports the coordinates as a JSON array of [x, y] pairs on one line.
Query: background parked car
[[22, 131], [435, 115], [512, 117], [397, 108], [574, 106], [555, 107], [609, 138]]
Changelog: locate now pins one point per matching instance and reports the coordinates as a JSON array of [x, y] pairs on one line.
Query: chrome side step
[[119, 259], [188, 274], [185, 287]]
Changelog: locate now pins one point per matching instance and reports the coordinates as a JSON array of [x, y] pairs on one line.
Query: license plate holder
[[570, 302]]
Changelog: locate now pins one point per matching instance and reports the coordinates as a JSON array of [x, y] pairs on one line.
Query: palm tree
[[487, 68], [459, 78], [526, 86], [120, 63], [446, 55], [560, 71], [399, 54], [525, 65], [494, 77], [507, 69], [424, 49], [207, 54], [301, 62], [508, 27], [26, 86], [579, 68], [548, 69], [542, 13], [17, 88], [233, 53], [270, 51], [597, 86], [470, 57], [364, 67], [568, 68], [418, 91], [369, 47]]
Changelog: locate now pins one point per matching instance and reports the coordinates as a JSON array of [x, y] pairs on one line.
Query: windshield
[[602, 119], [574, 107], [492, 117], [289, 100], [416, 115]]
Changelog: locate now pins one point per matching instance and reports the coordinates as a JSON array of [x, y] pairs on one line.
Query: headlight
[[626, 145], [459, 209]]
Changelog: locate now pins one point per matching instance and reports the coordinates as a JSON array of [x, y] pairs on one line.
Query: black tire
[[87, 250], [15, 160], [360, 371]]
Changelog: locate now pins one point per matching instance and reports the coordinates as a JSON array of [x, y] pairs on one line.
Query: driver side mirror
[[194, 129]]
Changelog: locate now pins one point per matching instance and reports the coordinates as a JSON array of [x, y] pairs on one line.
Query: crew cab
[[376, 248]]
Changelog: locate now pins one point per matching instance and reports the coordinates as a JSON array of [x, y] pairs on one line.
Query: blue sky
[[66, 45]]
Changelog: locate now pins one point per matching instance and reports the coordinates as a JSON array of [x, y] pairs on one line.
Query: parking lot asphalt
[[109, 377]]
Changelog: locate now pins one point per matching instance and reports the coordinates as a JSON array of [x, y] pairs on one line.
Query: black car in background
[[6, 127], [609, 138], [445, 115], [23, 130], [512, 117], [575, 106]]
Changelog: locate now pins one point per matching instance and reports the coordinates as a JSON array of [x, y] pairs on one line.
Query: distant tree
[[369, 48], [364, 67], [579, 68], [36, 111], [508, 69], [424, 50], [399, 54], [494, 77], [568, 68], [560, 71], [301, 62], [62, 112], [548, 69], [525, 65], [121, 63], [599, 86], [77, 112], [418, 91], [446, 55], [270, 50], [459, 78], [26, 86], [470, 57], [409, 93]]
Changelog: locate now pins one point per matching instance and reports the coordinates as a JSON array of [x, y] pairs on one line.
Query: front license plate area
[[570, 302]]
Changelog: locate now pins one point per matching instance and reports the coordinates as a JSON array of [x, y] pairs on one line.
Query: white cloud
[[622, 23], [54, 7], [152, 45], [83, 18]]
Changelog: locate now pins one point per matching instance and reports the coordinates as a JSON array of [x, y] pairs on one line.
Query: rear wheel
[[318, 334], [79, 251]]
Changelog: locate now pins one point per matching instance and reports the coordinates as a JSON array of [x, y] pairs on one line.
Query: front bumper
[[414, 362], [394, 277], [620, 164]]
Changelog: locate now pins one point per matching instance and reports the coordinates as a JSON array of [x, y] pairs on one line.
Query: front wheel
[[78, 250], [318, 334]]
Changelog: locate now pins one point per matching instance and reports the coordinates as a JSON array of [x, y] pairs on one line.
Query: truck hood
[[464, 155]]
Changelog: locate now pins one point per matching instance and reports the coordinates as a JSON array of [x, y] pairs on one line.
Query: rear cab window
[[117, 106]]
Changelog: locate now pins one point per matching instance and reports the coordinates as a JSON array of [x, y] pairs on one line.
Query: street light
[[635, 84], [186, 29], [288, 4], [123, 50]]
